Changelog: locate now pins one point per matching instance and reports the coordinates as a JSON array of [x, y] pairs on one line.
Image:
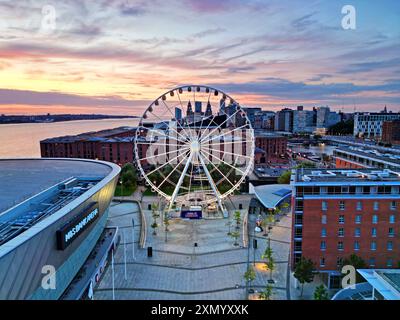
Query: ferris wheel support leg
[[217, 194], [178, 185]]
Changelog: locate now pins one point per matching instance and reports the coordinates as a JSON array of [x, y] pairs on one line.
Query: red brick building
[[114, 145], [337, 213], [270, 148], [391, 132], [117, 145]]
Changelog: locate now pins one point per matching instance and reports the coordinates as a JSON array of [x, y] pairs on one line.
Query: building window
[[389, 263], [391, 232], [359, 205], [341, 219], [389, 245], [322, 262], [372, 262], [345, 189], [393, 205], [323, 219], [323, 245], [340, 245], [357, 232], [356, 245], [373, 232], [358, 218], [324, 205], [339, 261], [375, 219], [341, 205], [341, 232], [376, 205], [323, 232], [392, 218], [373, 245]]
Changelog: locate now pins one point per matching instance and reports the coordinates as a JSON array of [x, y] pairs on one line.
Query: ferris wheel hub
[[195, 146]]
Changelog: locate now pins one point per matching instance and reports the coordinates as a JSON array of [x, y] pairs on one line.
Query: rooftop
[[348, 175], [271, 195], [108, 135], [371, 153], [33, 189], [23, 178]]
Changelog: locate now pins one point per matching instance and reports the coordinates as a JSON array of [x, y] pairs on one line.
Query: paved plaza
[[213, 269]]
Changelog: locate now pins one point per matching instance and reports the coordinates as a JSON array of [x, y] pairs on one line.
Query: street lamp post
[[133, 239]]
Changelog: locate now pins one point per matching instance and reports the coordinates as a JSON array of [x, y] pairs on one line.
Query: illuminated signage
[[191, 214], [72, 229]]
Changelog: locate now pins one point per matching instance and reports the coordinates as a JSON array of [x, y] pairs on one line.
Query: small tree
[[304, 272], [155, 215], [321, 293], [235, 235], [166, 224], [269, 261], [266, 294], [238, 218], [154, 225], [284, 178], [250, 275]]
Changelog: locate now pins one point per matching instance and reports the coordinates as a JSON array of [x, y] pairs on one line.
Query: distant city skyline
[[115, 57]]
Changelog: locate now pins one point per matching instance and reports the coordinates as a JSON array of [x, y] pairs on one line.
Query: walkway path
[[179, 270]]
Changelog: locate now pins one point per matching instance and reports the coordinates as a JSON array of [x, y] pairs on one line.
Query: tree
[[342, 128], [235, 235], [238, 219], [266, 294], [154, 225], [269, 261], [304, 272], [306, 165], [250, 275], [166, 224], [358, 263], [321, 293], [284, 178], [155, 215]]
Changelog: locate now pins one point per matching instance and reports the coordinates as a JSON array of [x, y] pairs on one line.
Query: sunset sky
[[114, 57]]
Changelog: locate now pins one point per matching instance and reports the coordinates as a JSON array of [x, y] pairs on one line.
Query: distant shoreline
[[20, 119]]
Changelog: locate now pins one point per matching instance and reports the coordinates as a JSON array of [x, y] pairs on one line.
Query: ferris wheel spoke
[[162, 133], [168, 162], [163, 154], [168, 108], [223, 176], [226, 133], [210, 179], [173, 170], [219, 126], [178, 185], [185, 138], [207, 143], [228, 164], [235, 154], [180, 101]]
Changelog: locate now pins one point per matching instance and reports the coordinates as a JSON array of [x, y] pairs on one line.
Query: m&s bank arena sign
[[72, 229]]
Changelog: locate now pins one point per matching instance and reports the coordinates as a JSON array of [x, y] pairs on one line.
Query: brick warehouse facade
[[114, 145], [337, 213], [117, 146], [272, 146]]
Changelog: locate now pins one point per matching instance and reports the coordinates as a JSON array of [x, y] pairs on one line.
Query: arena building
[[52, 213]]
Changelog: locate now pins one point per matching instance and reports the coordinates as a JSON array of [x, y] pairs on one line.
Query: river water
[[22, 140]]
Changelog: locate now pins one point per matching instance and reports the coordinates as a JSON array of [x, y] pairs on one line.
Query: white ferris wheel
[[194, 145]]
